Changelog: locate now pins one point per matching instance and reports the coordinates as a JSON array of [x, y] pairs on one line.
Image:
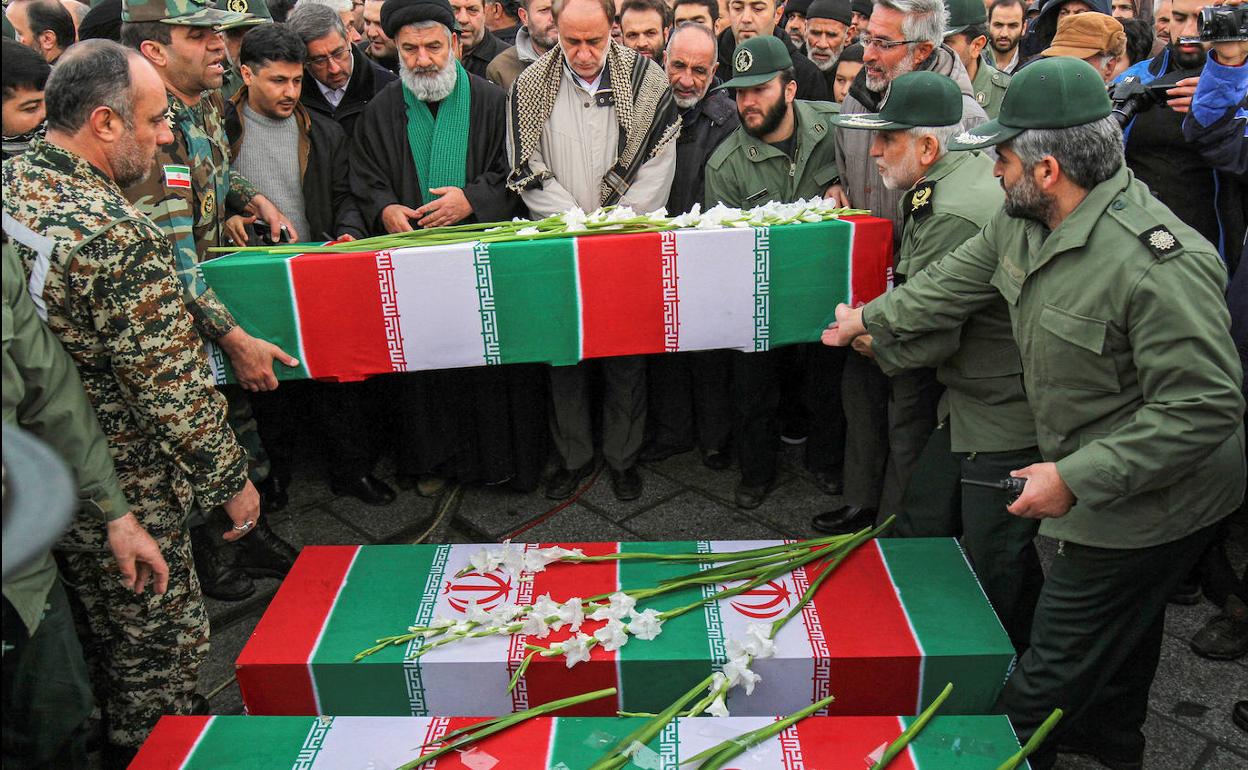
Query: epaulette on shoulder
[[725, 148], [1136, 219]]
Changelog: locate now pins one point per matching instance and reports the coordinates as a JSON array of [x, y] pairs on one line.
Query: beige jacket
[[579, 145]]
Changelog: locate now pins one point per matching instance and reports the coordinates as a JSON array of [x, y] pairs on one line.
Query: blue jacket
[[1221, 152]]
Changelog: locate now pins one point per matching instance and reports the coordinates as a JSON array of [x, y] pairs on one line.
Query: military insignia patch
[[981, 97], [1160, 241], [863, 121], [208, 206], [966, 137], [237, 6], [921, 200], [743, 60]]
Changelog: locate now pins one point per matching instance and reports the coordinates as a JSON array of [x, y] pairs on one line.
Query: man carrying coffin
[[429, 151]]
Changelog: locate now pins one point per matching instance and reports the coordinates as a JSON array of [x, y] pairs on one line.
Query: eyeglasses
[[866, 41], [340, 55]]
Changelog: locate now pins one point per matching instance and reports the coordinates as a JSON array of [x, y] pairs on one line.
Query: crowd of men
[[1061, 312]]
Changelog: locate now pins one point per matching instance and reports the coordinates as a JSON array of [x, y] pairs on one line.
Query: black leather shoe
[[1239, 715], [748, 496], [274, 494], [626, 484], [1187, 592], [199, 706], [217, 579], [717, 460], [1225, 635], [263, 553], [656, 452], [368, 489], [565, 482], [843, 520], [828, 482]]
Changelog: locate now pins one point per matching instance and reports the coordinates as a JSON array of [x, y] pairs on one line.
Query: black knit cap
[[836, 10], [397, 14]]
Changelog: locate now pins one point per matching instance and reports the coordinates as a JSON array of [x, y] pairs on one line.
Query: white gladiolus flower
[[441, 622], [528, 231], [485, 561], [718, 708], [535, 625], [645, 625], [737, 671], [621, 605], [612, 636], [575, 649], [512, 559], [459, 629], [574, 219], [537, 560], [545, 607], [504, 614], [475, 614], [570, 613], [619, 214], [760, 644]]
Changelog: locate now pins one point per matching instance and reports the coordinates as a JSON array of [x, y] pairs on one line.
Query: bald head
[[690, 62]]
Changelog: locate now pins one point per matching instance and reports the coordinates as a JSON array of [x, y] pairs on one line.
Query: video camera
[[1223, 23]]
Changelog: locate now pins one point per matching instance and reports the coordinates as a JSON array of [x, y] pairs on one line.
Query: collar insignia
[[1160, 241]]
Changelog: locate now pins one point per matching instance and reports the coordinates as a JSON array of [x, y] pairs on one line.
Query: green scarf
[[448, 133]]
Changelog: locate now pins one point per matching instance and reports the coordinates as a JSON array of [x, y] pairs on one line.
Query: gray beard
[[426, 87], [829, 64], [878, 85]]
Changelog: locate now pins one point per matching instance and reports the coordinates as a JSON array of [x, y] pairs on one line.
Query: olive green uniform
[[47, 694], [985, 427], [744, 172], [1135, 386], [989, 87]]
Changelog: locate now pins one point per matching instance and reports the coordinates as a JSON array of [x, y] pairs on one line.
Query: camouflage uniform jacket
[[99, 270], [190, 183]]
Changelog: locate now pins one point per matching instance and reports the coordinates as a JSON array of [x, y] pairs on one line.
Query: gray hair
[[91, 74], [702, 29], [314, 20], [942, 134], [1087, 154], [924, 20], [338, 6]]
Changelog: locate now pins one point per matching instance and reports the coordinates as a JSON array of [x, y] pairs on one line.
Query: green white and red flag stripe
[[563, 743], [898, 620], [558, 301]]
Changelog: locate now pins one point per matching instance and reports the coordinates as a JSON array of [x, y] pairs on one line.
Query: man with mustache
[[535, 37], [760, 18], [103, 274], [829, 28], [199, 201], [692, 388], [782, 151], [888, 420], [986, 428], [1116, 306], [1005, 29], [430, 151]]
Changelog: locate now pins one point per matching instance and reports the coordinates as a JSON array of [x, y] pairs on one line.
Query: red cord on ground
[[545, 516]]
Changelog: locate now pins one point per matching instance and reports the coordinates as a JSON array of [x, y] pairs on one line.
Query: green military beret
[[915, 99], [1060, 92], [9, 32], [757, 61], [187, 13]]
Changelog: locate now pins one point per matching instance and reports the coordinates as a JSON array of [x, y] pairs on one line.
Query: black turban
[[397, 14]]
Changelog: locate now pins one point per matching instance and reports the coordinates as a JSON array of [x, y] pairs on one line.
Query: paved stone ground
[[1189, 725]]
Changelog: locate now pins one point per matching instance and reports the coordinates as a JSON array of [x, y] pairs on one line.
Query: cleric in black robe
[[485, 424]]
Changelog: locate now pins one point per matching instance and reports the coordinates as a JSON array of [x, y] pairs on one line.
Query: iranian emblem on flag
[[177, 176]]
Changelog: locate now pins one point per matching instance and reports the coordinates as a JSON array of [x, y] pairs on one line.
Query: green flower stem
[[1037, 738], [524, 666], [636, 714], [618, 756], [476, 732], [706, 701], [715, 757], [902, 741]]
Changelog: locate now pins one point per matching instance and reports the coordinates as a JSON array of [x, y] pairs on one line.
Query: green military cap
[[757, 61], [964, 13], [1060, 92], [9, 31], [255, 13], [915, 99], [187, 13]]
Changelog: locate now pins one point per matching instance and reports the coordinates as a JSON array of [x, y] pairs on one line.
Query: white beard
[[429, 87], [827, 65]]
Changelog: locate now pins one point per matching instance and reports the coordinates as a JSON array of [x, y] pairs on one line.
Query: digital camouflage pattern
[[191, 180], [111, 298], [144, 652], [105, 284]]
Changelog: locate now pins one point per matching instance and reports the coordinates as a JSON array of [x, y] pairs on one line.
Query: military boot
[[262, 553], [218, 579]]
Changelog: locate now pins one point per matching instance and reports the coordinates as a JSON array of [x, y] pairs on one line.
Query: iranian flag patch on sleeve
[[177, 176]]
